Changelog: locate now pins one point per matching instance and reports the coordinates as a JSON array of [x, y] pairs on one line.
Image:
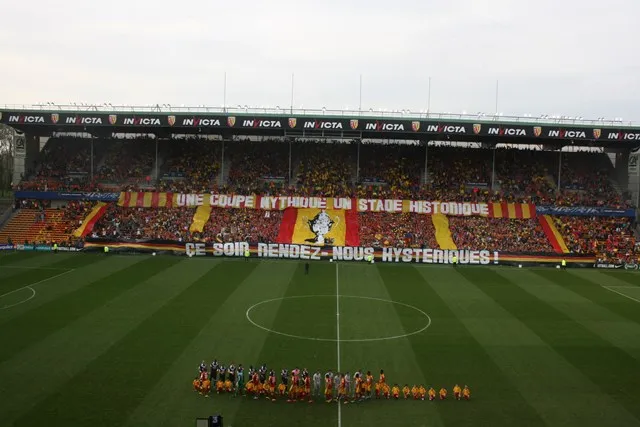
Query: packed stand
[[145, 223], [524, 176], [128, 161], [191, 166], [242, 225], [585, 181], [395, 167], [326, 169], [382, 229], [611, 239], [258, 166], [499, 234]]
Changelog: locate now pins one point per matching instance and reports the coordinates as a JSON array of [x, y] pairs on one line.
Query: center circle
[[416, 312]]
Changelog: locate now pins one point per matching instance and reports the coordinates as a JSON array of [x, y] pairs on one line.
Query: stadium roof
[[43, 119]]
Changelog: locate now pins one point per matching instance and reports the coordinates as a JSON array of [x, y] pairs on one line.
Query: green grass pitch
[[94, 340]]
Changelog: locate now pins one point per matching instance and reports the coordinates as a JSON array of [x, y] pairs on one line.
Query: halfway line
[[338, 340]]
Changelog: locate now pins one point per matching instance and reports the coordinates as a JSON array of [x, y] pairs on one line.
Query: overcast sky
[[570, 57]]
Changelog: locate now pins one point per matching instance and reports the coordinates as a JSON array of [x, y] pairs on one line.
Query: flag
[[552, 233], [90, 221], [319, 227]]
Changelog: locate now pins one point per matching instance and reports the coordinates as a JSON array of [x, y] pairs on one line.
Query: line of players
[[300, 386]]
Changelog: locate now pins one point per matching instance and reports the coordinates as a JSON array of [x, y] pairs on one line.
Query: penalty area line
[[29, 286], [620, 293]]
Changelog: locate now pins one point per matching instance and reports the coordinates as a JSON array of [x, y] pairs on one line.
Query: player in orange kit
[[196, 384], [378, 388], [369, 384], [457, 392], [382, 379], [466, 393], [272, 385], [342, 388], [306, 393], [228, 386], [432, 394], [282, 389], [328, 388], [359, 387], [206, 387], [219, 386], [406, 391], [443, 393], [395, 391], [293, 388]]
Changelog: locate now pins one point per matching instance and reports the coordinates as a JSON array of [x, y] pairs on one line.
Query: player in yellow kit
[[406, 391], [395, 391], [415, 393], [369, 384], [422, 392], [466, 393], [457, 392], [282, 389], [432, 394], [386, 390], [443, 393], [359, 387]]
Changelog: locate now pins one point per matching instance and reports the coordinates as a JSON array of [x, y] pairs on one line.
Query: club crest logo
[[321, 225], [477, 128], [113, 119], [415, 126], [597, 133], [231, 121], [537, 131], [354, 124], [292, 122], [55, 117], [171, 120]]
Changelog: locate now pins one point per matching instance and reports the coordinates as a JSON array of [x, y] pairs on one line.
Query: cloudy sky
[[569, 57]]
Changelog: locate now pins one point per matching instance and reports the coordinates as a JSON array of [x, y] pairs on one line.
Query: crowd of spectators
[[611, 239], [380, 229], [256, 166], [191, 166], [499, 234], [127, 160], [242, 225], [326, 169], [145, 223]]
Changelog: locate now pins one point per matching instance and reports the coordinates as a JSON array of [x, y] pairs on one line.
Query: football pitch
[[95, 340]]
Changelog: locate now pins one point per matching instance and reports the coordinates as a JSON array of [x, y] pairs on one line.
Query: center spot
[[362, 319]]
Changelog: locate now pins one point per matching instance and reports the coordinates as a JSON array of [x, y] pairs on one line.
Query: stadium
[[319, 214], [424, 246]]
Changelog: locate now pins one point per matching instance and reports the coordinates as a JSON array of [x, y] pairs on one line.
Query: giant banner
[[585, 211], [339, 253], [75, 195], [492, 210]]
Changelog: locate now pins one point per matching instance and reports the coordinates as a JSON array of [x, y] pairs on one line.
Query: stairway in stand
[[23, 227]]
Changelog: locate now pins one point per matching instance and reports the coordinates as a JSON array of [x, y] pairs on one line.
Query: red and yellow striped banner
[[139, 199], [512, 210]]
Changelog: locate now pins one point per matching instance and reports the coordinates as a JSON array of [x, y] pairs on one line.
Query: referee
[[454, 261]]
